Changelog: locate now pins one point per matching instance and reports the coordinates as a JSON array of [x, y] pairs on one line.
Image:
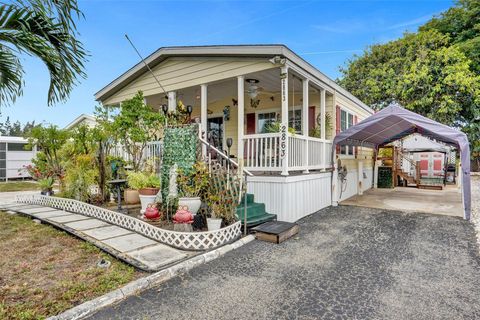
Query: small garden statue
[[172, 183], [183, 220], [172, 188]]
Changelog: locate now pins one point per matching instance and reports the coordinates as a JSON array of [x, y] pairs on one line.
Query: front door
[[215, 130]]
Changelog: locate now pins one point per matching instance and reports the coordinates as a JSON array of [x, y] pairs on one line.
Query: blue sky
[[325, 33]]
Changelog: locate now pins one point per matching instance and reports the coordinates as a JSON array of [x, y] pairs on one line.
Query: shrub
[[140, 180], [80, 178]]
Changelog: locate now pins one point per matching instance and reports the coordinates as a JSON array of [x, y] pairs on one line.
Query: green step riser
[[256, 213], [252, 211], [250, 199]]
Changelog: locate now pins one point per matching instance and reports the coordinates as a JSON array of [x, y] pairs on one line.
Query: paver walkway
[[131, 247]]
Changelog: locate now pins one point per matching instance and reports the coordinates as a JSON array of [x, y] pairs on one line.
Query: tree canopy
[[16, 128], [434, 72]]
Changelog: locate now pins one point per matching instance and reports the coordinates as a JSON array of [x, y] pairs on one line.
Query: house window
[[295, 120], [346, 121], [19, 147], [265, 119]]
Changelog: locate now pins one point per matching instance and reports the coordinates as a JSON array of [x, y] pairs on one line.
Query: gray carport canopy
[[393, 123]]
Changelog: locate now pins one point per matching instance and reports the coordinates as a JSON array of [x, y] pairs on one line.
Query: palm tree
[[45, 29]]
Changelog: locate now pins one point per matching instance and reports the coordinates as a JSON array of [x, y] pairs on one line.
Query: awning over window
[[393, 123]]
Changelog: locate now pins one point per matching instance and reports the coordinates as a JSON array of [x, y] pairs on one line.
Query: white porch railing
[[262, 152], [151, 153]]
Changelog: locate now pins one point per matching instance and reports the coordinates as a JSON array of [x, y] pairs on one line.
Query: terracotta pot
[[131, 196], [148, 191], [193, 204]]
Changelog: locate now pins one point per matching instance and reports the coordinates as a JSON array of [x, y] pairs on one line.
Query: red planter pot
[[148, 191]]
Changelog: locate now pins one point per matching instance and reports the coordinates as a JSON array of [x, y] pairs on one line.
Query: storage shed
[[14, 155]]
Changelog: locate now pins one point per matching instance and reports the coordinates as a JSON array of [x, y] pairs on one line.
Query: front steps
[[256, 213]]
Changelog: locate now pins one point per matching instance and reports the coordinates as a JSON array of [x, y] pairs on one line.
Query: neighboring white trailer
[[14, 156]]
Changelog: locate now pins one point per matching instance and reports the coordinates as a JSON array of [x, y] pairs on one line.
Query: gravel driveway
[[347, 263]]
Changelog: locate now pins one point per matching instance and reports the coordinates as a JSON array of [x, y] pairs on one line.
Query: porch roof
[[262, 50]]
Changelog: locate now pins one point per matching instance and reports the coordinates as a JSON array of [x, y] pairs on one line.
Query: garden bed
[[44, 271], [196, 241]]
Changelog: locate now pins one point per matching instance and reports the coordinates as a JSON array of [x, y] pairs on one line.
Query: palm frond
[[45, 31], [11, 74]]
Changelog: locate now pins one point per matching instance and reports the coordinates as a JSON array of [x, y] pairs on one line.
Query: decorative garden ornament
[[183, 215], [172, 183], [152, 212]]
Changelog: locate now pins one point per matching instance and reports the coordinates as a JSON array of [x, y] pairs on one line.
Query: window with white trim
[[265, 119], [346, 121], [295, 120]]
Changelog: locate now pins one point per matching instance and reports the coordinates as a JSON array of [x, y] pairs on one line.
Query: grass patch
[[44, 271], [19, 186]]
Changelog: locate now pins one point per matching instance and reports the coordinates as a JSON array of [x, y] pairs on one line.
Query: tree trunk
[[102, 171]]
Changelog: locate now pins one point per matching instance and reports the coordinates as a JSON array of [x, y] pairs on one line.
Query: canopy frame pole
[[334, 177]]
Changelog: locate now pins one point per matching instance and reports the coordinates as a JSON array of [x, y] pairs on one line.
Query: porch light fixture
[[189, 112], [165, 108], [253, 88]]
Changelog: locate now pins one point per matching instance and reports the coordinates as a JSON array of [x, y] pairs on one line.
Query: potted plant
[[222, 209], [46, 186], [147, 186], [215, 220], [192, 186]]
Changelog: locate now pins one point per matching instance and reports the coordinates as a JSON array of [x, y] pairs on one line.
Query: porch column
[[284, 125], [323, 130], [241, 118], [460, 178], [172, 101], [305, 122], [203, 115]]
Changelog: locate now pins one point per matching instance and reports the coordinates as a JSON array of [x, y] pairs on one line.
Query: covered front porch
[[286, 118]]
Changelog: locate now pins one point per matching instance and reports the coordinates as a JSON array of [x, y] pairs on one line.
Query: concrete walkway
[[446, 202], [135, 249]]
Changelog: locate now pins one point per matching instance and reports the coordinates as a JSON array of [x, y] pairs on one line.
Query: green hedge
[[180, 147], [385, 177]]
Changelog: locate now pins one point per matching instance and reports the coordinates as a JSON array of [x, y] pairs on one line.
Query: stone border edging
[[136, 286]]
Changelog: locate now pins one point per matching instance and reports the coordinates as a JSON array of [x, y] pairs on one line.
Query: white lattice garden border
[[182, 240]]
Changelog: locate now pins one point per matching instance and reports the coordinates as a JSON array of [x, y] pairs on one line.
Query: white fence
[[182, 240], [262, 152]]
